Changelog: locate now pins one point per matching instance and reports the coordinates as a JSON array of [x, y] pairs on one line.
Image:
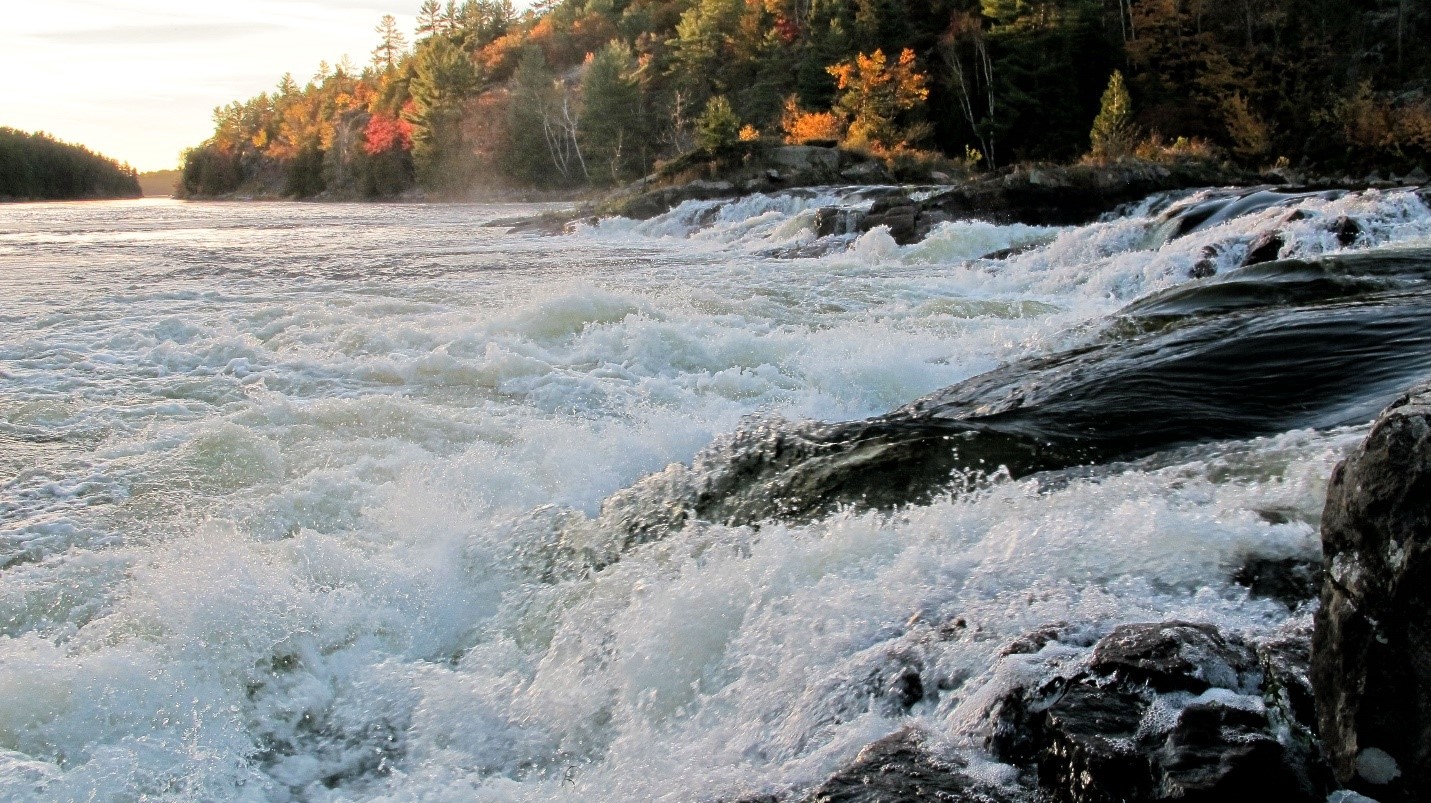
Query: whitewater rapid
[[282, 488]]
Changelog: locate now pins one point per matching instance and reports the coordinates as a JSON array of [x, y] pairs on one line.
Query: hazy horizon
[[137, 80]]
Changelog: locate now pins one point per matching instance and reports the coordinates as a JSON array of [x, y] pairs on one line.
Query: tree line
[[38, 167], [593, 92]]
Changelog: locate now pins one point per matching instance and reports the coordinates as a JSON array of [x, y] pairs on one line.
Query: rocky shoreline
[[913, 203], [1335, 706]]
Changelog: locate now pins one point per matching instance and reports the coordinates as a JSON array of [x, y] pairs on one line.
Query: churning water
[[300, 502]]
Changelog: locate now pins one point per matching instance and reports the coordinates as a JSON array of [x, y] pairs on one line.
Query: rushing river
[[299, 502]]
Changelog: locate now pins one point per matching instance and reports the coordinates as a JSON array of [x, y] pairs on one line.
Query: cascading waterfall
[[331, 503]]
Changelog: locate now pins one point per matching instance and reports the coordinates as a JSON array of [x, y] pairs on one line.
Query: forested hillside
[[593, 92], [37, 167]]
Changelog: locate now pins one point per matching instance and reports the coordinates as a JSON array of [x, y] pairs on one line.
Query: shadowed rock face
[[1372, 651], [1164, 711], [1253, 352]]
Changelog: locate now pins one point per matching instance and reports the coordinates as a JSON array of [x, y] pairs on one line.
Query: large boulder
[[1166, 711], [1371, 659]]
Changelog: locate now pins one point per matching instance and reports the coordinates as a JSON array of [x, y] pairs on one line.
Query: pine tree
[[702, 46], [611, 107], [443, 79], [527, 157], [287, 87], [1114, 134], [429, 19], [386, 54], [718, 128]]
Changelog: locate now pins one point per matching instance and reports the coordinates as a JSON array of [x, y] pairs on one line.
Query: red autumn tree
[[386, 133]]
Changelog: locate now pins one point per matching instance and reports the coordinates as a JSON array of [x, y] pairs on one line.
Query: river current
[[281, 489]]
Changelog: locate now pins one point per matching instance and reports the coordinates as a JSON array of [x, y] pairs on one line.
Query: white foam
[[283, 518]]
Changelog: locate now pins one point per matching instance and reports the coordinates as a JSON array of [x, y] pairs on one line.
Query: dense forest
[[593, 92], [37, 167]]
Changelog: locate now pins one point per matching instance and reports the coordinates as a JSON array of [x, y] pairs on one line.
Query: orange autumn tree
[[875, 94], [801, 126]]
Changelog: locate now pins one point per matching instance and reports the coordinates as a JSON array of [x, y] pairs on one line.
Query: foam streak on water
[[279, 486]]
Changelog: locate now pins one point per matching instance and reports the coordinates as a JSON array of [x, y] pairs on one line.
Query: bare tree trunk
[[969, 86], [571, 120], [1400, 34]]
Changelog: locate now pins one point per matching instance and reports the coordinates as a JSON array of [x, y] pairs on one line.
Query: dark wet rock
[[1069, 195], [866, 173], [1218, 207], [1172, 656], [1371, 662], [1250, 352], [548, 224], [898, 216], [898, 769], [1206, 266], [833, 220], [1264, 247], [1035, 640], [1086, 750], [1218, 752], [1005, 253], [1169, 711], [1416, 176], [1286, 660], [1346, 229], [1290, 581]]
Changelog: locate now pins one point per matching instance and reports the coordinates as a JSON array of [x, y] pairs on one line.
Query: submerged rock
[[1251, 352], [1265, 248], [1371, 661], [1290, 581]]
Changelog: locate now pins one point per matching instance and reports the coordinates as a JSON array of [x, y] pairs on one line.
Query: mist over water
[[282, 485]]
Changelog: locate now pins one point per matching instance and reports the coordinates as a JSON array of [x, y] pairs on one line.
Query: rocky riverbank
[[1331, 707], [1033, 194], [911, 202]]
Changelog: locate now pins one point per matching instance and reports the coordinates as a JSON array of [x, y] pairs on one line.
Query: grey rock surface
[[1371, 658]]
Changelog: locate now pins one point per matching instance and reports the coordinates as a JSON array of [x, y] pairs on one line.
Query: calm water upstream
[[282, 486]]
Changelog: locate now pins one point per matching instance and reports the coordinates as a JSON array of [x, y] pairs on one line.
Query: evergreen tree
[[544, 127], [702, 48], [38, 167], [391, 46], [717, 128], [611, 107], [287, 87], [443, 78], [827, 41], [1114, 134], [429, 19]]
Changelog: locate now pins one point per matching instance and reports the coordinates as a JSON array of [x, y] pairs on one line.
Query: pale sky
[[137, 80]]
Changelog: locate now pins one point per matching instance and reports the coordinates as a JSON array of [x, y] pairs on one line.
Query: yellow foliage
[[1251, 134], [802, 126], [874, 92], [1377, 123], [1157, 149], [749, 133]]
